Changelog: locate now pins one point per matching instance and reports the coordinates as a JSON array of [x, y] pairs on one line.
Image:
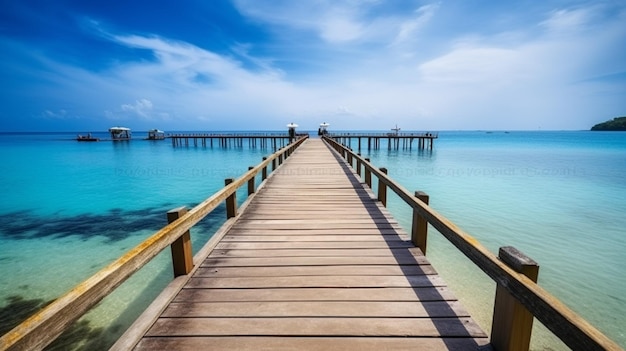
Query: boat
[[120, 133], [87, 137], [396, 131], [155, 134]]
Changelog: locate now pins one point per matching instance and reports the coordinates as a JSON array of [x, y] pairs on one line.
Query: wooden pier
[[395, 141], [224, 140], [314, 262]]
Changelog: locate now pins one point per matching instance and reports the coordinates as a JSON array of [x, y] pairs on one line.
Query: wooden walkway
[[315, 263]]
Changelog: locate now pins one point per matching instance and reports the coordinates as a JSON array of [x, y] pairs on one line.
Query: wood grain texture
[[315, 262]]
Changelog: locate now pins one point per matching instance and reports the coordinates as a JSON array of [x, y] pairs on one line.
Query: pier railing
[[45, 326], [518, 297], [433, 135]]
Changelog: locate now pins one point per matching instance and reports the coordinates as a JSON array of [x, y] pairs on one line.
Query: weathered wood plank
[[362, 309], [418, 281], [439, 293], [319, 232], [310, 261], [313, 252], [313, 343], [299, 326], [255, 245], [311, 237], [285, 271]]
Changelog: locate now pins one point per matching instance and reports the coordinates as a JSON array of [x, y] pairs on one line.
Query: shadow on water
[[80, 336], [115, 225]]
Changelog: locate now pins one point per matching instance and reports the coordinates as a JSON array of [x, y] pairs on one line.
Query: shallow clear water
[[70, 208], [559, 197]]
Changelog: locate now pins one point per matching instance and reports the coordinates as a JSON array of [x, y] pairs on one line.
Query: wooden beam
[[182, 254], [512, 322]]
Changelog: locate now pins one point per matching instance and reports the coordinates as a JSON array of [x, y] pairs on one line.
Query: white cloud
[[565, 20], [141, 108], [340, 21], [60, 114], [410, 27], [337, 28], [475, 81]]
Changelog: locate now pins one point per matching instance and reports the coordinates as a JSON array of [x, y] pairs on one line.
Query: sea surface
[[70, 208]]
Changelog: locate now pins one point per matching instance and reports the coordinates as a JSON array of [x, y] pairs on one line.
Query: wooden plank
[[284, 271], [361, 309], [237, 231], [255, 245], [313, 252], [309, 237], [365, 222], [299, 326], [310, 261], [312, 343], [316, 282], [413, 294], [302, 225]]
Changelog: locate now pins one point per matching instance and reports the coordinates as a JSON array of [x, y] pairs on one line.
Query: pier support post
[[264, 171], [231, 201], [251, 182], [382, 189], [182, 255], [368, 174], [419, 232], [512, 323]]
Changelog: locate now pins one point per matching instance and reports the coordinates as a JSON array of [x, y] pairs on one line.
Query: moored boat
[[155, 134], [120, 133], [87, 137]]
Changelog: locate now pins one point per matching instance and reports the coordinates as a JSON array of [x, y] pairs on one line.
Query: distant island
[[618, 123]]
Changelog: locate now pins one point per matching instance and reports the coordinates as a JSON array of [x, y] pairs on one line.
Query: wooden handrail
[[383, 135], [42, 328], [568, 326]]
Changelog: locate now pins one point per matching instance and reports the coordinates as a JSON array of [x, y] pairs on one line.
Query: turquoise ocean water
[[69, 208]]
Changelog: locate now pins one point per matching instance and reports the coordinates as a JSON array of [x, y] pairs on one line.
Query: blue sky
[[76, 65]]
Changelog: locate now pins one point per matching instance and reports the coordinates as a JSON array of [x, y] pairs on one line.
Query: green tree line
[[617, 123]]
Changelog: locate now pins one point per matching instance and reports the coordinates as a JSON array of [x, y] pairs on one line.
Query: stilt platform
[[394, 141]]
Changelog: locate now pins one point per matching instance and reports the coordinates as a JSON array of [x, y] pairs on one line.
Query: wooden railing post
[[251, 182], [280, 157], [368, 175], [382, 188], [358, 165], [182, 255], [349, 158], [231, 201], [273, 164], [512, 323], [264, 171], [419, 232]]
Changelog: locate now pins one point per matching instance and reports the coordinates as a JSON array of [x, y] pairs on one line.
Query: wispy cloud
[[368, 66]]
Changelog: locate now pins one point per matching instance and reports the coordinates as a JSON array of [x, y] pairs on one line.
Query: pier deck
[[314, 262]]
